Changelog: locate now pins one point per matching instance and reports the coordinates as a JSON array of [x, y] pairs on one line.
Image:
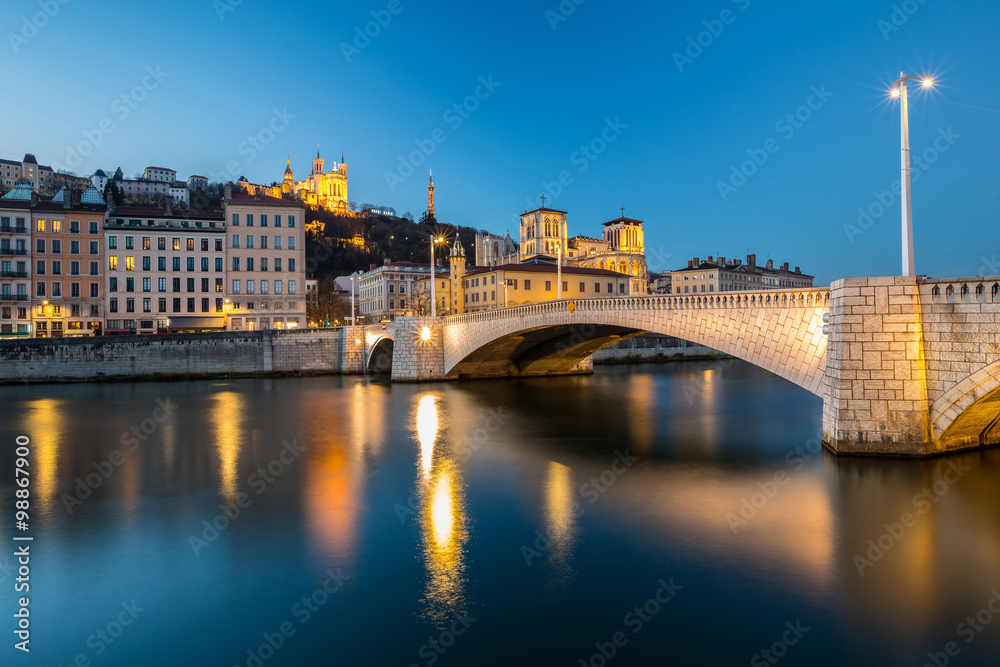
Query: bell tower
[[457, 265], [317, 162]]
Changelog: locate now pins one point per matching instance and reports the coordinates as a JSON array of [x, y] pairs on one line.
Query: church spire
[[430, 197], [317, 150]]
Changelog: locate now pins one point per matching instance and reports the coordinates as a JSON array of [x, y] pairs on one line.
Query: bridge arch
[[781, 332], [968, 414], [380, 346]]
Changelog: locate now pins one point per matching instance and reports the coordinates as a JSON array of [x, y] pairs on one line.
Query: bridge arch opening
[[969, 414], [380, 356]]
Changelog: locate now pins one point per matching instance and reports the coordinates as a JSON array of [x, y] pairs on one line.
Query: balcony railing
[[13, 274], [7, 229], [13, 251], [13, 297]]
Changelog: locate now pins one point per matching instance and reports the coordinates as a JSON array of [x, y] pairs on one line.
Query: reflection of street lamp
[[434, 241], [899, 90]]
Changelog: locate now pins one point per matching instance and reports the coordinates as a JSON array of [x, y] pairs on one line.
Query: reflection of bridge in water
[[907, 366]]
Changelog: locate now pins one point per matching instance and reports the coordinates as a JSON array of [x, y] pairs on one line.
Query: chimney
[[710, 259], [751, 260], [229, 190], [371, 267], [690, 264], [111, 200], [737, 262], [784, 267], [34, 198], [798, 270], [697, 261], [67, 199], [770, 264]]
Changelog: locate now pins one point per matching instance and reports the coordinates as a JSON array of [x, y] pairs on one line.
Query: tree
[[327, 305], [119, 175]]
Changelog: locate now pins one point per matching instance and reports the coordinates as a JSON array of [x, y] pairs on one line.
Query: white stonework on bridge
[[780, 331]]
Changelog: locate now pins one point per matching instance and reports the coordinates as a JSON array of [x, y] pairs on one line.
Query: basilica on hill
[[326, 190]]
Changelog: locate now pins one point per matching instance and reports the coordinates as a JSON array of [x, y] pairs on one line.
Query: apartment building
[[386, 291], [15, 259], [265, 244], [164, 270]]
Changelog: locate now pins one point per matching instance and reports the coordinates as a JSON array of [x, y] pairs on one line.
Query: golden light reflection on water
[[443, 519], [227, 417], [45, 424], [560, 517], [641, 406], [427, 430]]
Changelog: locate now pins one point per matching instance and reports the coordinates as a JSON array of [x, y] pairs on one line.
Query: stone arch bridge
[[906, 366]]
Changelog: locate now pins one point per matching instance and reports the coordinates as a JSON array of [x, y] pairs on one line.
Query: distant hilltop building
[[544, 238], [326, 190], [42, 179]]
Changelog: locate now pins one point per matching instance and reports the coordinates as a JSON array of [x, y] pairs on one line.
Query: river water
[[646, 515]]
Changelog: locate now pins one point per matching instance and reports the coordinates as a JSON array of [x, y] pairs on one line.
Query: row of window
[[264, 305], [249, 220], [251, 264], [161, 284], [55, 227], [75, 310], [56, 291], [6, 312], [251, 286], [56, 247], [161, 306], [161, 243], [263, 242], [56, 267], [161, 263]]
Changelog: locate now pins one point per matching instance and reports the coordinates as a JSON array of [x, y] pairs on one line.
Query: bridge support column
[[418, 353], [875, 398]]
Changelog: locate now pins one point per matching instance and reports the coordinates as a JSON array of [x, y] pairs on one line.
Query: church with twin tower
[[544, 238]]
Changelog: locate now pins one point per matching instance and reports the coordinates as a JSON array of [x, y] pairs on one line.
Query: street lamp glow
[[899, 90], [425, 333]]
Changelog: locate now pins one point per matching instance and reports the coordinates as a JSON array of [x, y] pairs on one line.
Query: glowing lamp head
[[425, 333], [895, 92], [357, 341], [928, 82]]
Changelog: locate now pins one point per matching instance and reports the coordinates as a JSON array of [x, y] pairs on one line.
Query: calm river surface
[[663, 514]]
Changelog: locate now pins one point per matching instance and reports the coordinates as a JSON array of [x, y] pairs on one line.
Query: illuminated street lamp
[[434, 241], [899, 90]]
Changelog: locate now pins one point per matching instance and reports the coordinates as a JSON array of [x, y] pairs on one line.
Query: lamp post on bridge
[[434, 241], [899, 90]]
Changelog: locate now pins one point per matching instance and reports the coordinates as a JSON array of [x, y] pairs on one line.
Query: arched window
[[936, 291]]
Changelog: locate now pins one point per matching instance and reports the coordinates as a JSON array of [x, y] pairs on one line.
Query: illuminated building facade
[[326, 190]]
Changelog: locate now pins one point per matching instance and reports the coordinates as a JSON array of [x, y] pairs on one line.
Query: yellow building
[[326, 190], [488, 288]]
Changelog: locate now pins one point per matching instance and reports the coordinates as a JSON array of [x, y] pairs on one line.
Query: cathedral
[[326, 190], [544, 239]]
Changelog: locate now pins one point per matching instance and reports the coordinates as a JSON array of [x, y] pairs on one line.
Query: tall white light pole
[[353, 278], [899, 90], [559, 272]]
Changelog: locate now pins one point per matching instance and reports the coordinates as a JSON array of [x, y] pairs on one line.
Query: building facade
[[386, 291], [733, 275], [66, 265], [265, 244], [165, 270], [15, 263], [161, 174]]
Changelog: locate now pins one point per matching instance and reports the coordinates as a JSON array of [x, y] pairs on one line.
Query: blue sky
[[673, 129]]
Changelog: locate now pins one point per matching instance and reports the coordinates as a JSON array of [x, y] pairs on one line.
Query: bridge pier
[[875, 400], [418, 354]]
